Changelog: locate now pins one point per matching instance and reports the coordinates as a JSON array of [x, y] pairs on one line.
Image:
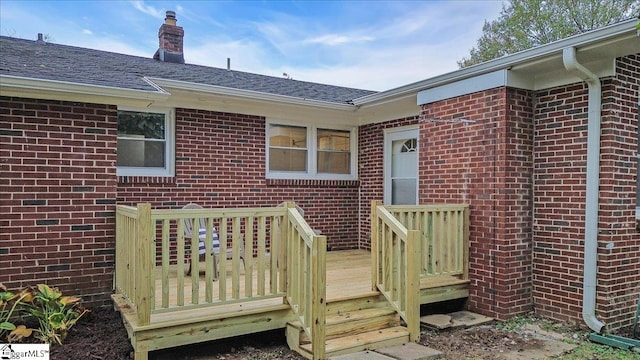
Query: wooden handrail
[[306, 278], [254, 238], [413, 241], [444, 236], [395, 257], [134, 258]]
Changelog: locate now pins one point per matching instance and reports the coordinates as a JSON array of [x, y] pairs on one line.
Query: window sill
[[146, 179]]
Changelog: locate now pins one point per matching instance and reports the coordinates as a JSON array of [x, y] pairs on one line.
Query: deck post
[[413, 285], [465, 243], [143, 261], [374, 244], [318, 295], [120, 267], [284, 252]]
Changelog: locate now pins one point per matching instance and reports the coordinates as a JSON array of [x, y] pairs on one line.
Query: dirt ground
[[102, 336]]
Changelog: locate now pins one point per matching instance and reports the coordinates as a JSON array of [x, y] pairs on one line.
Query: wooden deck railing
[[395, 253], [306, 278], [147, 239], [133, 258], [444, 236]]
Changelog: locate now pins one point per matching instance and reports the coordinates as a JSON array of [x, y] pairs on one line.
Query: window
[[145, 143], [308, 152], [334, 151], [287, 148]]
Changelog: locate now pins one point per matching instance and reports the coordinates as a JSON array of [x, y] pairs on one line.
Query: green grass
[[515, 323], [586, 350], [590, 351]]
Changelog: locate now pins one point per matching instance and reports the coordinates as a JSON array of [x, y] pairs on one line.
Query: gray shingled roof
[[38, 60]]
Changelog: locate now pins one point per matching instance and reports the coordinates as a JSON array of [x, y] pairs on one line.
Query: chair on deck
[[215, 242]]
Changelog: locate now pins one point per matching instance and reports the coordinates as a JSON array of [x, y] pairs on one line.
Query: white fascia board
[[491, 80], [9, 83], [506, 62], [248, 94]]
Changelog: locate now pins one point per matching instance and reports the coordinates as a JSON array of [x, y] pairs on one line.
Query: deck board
[[348, 274]]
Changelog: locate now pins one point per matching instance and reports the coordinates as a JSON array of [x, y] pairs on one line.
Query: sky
[[373, 45]]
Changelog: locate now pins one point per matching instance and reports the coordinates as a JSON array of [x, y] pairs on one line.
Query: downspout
[[592, 192]]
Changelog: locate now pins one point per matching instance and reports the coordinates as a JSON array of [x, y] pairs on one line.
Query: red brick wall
[[619, 276], [58, 185], [559, 196], [487, 164], [220, 162], [371, 170], [560, 180]]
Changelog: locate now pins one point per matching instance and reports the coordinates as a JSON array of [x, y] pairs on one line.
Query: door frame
[[390, 135]]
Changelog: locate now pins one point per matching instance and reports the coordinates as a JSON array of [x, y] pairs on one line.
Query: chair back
[[188, 226]]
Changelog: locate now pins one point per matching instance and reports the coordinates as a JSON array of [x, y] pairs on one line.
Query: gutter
[[247, 94], [10, 82], [592, 192]]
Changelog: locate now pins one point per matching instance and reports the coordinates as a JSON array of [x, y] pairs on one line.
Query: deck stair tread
[[355, 322], [350, 329], [367, 340], [352, 316]]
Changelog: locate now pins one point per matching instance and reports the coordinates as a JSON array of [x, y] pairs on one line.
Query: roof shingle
[[48, 61]]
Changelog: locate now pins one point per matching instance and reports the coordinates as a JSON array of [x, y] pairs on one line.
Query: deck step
[[355, 322], [351, 330], [364, 341]]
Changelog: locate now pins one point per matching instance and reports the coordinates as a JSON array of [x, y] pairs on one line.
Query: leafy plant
[[56, 314], [523, 24], [515, 323], [589, 351], [9, 302]]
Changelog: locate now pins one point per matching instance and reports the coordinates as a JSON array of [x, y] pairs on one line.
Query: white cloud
[[148, 9], [335, 39], [245, 55], [111, 45], [87, 32]]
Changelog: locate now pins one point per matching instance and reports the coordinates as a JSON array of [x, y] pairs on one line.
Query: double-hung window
[[145, 143], [311, 152]]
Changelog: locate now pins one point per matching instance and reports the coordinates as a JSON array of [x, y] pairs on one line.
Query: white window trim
[[170, 148], [312, 152]]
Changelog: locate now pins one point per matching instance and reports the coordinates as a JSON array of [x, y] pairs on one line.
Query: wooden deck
[[327, 303]]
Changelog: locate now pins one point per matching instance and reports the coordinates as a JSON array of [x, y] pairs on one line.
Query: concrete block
[[411, 351], [361, 355]]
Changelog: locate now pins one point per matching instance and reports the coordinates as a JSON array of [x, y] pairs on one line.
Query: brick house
[[518, 138]]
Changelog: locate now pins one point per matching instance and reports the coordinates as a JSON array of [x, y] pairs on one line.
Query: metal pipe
[[592, 192]]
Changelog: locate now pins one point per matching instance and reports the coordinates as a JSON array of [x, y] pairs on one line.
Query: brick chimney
[[170, 38]]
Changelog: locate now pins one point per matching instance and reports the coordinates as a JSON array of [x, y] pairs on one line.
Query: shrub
[[56, 314], [9, 302]]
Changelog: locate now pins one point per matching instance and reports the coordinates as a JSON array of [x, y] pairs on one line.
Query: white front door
[[401, 166]]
